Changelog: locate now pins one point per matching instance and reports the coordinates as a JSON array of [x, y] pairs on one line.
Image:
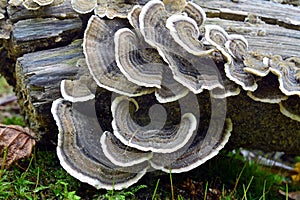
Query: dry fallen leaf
[[16, 141]]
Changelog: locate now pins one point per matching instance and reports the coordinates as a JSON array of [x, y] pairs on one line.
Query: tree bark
[[44, 46]]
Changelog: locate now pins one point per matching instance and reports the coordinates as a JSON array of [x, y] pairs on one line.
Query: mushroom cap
[[291, 107], [256, 63], [233, 48], [99, 50], [31, 5], [83, 6], [170, 90], [202, 148], [79, 149], [140, 63], [288, 72], [116, 8], [153, 137], [195, 12], [120, 154], [185, 32], [268, 90], [43, 2], [194, 72], [81, 89]]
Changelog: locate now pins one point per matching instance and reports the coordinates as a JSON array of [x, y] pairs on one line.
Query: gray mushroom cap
[[288, 72], [31, 5], [99, 50], [120, 154], [202, 149], [256, 63], [43, 2], [81, 89], [153, 137], [233, 47], [194, 72], [84, 6], [80, 152]]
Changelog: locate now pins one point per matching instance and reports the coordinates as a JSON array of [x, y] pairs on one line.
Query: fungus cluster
[[165, 49]]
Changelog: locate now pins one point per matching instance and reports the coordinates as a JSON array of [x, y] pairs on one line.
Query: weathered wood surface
[[256, 125]]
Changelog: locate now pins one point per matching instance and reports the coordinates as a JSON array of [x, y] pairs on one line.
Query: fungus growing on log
[[159, 55]]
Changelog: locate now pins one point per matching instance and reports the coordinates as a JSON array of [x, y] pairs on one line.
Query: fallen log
[[43, 49]]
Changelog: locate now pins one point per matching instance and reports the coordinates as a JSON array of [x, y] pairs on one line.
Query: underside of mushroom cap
[[79, 149], [155, 136], [99, 50], [268, 90], [291, 107]]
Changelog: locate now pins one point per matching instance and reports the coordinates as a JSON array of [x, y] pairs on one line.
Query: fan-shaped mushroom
[[194, 72], [81, 89], [234, 48], [80, 152], [83, 6], [99, 48], [153, 137], [288, 72]]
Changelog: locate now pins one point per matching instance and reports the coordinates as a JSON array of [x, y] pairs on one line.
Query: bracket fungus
[[158, 55]]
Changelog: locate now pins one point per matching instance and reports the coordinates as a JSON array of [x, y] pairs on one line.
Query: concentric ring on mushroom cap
[[194, 72], [99, 50], [288, 72], [140, 63], [195, 12], [201, 150], [153, 137], [81, 89], [185, 32], [84, 6], [234, 67], [120, 154], [80, 152]]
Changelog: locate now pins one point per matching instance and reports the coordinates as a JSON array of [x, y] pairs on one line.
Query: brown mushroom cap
[[79, 149], [99, 50], [153, 137], [268, 90]]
